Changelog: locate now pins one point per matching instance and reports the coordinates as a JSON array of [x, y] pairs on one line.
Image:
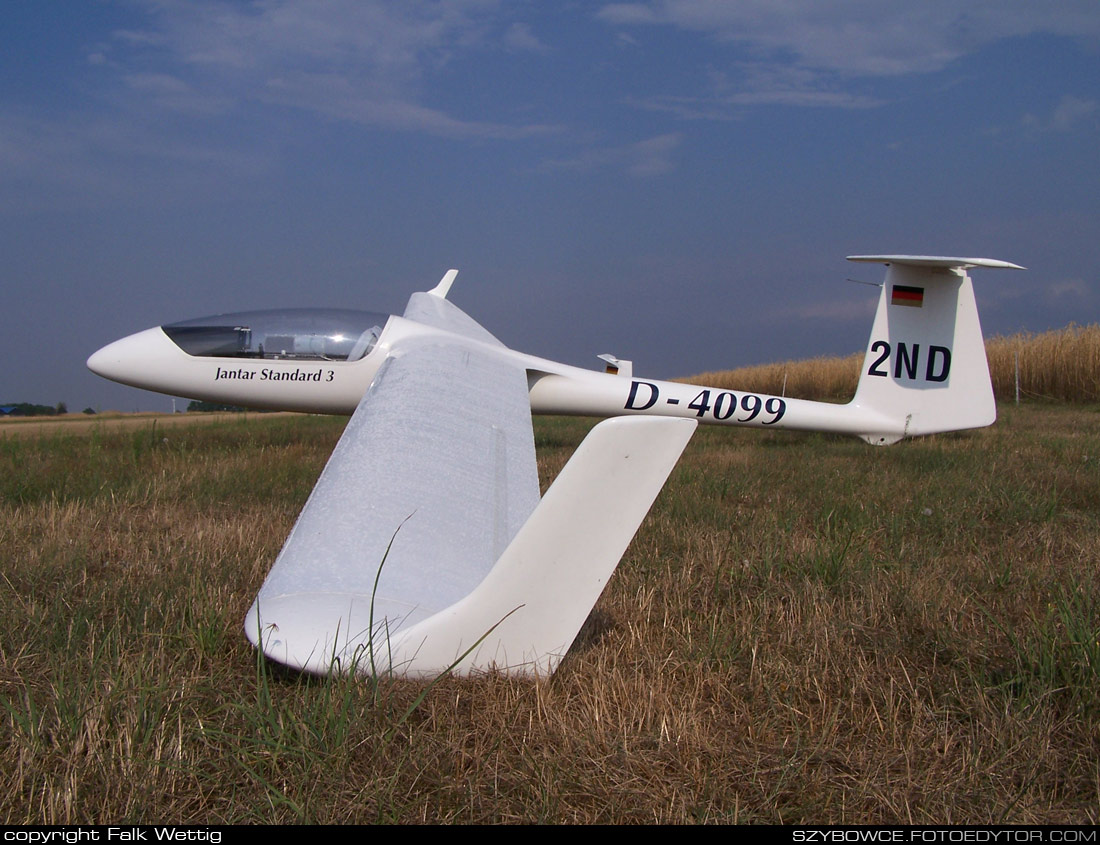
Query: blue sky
[[674, 182]]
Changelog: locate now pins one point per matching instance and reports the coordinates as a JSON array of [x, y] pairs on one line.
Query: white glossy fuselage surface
[[150, 360]]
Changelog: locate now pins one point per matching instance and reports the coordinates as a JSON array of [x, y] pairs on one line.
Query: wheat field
[[1061, 365]]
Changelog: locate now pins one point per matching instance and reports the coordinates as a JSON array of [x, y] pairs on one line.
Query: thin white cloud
[[360, 60], [816, 52], [519, 37], [397, 37], [649, 157], [757, 83], [174, 94], [861, 37], [380, 105], [1070, 289], [653, 156], [832, 310], [79, 162], [1070, 113], [186, 94]]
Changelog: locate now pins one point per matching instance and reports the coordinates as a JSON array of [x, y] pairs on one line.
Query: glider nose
[[118, 359], [130, 360], [105, 362]]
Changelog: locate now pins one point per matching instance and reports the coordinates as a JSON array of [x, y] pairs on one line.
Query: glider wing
[[432, 478]]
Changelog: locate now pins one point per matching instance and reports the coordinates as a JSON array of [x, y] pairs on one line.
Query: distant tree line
[[197, 405], [30, 409]]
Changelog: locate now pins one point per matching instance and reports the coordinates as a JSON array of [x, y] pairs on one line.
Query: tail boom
[[925, 370]]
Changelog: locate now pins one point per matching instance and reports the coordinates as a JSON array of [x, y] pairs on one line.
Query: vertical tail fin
[[925, 364]]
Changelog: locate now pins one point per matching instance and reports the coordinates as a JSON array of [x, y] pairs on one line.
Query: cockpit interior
[[311, 334]]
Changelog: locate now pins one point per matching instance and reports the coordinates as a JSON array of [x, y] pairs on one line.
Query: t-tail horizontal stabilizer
[[523, 617], [925, 370]]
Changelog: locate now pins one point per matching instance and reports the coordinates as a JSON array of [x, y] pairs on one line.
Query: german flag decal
[[906, 295]]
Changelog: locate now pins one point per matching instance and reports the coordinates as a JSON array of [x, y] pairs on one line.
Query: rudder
[[925, 365]]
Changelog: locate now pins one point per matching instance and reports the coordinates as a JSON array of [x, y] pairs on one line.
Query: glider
[[424, 547]]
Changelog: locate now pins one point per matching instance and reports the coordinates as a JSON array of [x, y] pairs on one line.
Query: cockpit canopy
[[312, 334]]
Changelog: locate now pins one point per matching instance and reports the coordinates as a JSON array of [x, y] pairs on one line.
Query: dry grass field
[[806, 629], [112, 421]]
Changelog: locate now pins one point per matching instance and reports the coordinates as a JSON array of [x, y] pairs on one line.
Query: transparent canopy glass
[[325, 334]]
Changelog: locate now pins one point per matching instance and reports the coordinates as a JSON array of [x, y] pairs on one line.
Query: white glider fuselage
[[151, 360], [924, 371]]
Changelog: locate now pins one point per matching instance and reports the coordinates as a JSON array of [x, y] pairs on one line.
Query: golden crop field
[[806, 629], [1061, 365]]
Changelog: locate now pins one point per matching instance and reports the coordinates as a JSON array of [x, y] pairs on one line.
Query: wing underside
[[432, 478]]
